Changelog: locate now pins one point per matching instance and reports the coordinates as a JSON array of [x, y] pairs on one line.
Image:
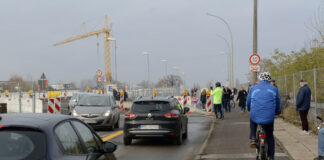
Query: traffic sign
[[254, 68], [255, 59], [99, 79], [99, 73]]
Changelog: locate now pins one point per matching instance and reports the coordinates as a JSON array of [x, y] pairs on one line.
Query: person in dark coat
[[203, 99], [227, 97], [303, 101], [242, 94], [115, 94], [125, 95]]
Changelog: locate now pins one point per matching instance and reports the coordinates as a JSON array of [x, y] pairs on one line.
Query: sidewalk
[[230, 139], [299, 147]]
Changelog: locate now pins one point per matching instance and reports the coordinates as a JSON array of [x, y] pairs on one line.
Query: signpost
[[254, 61], [99, 79], [99, 73]]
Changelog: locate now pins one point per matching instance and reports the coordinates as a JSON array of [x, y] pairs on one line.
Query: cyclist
[[263, 102]]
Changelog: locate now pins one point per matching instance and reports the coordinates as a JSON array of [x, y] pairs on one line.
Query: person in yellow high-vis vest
[[217, 94]]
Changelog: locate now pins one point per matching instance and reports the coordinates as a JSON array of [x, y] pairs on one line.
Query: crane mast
[[106, 31]]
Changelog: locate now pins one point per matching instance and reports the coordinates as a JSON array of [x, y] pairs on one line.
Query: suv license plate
[[149, 127]]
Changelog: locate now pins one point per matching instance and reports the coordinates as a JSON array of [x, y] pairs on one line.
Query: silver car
[[99, 111]]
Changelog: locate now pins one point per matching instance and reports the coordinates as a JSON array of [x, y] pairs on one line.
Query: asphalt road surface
[[161, 149]]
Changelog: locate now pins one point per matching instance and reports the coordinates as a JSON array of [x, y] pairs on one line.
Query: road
[[161, 149], [230, 139]]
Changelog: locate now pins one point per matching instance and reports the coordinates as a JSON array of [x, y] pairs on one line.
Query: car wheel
[[185, 135], [178, 139], [127, 141], [116, 124]]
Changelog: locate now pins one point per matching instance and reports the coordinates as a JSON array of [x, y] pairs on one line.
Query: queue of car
[[33, 136]]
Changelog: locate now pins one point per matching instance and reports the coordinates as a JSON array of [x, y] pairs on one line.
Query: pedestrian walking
[[241, 97], [227, 97], [125, 95], [217, 94], [203, 99], [303, 100]]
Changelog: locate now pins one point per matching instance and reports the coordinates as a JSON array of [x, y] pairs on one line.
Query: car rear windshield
[[86, 100], [150, 106], [21, 144]]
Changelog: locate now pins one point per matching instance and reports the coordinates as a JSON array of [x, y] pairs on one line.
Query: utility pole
[[255, 36]]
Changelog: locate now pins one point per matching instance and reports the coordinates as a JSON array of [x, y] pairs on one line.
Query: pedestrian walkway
[[300, 147], [230, 139]]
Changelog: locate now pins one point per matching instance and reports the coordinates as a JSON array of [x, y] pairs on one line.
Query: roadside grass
[[292, 116]]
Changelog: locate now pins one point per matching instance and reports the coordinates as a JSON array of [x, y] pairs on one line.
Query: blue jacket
[[303, 98], [263, 102]]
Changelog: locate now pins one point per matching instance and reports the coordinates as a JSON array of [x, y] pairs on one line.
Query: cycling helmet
[[264, 76], [218, 84]]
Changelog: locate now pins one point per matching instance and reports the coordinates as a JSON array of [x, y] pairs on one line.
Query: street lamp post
[[148, 66], [166, 66], [228, 65], [231, 56]]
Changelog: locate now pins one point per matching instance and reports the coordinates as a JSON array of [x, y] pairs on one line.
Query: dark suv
[[156, 117]]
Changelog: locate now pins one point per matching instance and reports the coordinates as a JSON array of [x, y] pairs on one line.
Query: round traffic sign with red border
[[99, 72], [254, 59], [99, 79]]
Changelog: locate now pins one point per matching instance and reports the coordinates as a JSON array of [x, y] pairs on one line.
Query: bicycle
[[321, 124], [232, 103], [261, 143]]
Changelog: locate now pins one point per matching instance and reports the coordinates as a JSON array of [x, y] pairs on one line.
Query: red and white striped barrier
[[209, 106], [121, 102], [54, 105], [185, 101]]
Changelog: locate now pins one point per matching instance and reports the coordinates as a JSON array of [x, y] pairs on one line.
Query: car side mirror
[[109, 147], [93, 154], [186, 109]]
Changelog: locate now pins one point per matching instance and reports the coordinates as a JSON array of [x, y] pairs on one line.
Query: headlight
[[107, 113], [74, 113]]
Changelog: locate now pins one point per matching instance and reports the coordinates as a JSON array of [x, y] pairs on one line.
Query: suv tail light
[[1, 127], [262, 136], [171, 115], [130, 115]]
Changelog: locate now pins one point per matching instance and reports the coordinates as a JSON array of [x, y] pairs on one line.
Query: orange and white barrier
[[209, 106]]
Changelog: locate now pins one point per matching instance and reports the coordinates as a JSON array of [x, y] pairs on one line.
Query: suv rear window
[[150, 106], [21, 144]]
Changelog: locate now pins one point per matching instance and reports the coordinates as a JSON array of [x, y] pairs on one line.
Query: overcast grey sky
[[177, 30]]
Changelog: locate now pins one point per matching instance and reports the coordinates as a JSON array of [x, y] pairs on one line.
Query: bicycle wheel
[[232, 103]]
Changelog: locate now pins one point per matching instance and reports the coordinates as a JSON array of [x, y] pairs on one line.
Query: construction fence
[[289, 86]]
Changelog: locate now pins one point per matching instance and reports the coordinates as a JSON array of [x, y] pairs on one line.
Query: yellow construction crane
[[105, 31]]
